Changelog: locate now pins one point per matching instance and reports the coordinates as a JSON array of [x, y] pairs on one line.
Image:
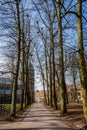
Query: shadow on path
[[37, 118], [59, 128]]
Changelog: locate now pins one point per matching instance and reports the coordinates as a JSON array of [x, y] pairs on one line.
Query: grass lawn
[[8, 106]]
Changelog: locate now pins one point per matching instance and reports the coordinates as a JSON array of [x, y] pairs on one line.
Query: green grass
[[8, 106]]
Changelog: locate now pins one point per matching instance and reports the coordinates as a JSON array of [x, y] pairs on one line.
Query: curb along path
[[38, 117]]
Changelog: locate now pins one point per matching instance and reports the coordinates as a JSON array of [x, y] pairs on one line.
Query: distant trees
[[48, 26]]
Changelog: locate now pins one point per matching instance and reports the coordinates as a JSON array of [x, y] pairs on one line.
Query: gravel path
[[38, 118]]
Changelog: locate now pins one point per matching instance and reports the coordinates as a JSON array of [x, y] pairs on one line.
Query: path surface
[[38, 118]]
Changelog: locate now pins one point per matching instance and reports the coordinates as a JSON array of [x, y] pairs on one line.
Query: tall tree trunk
[[47, 82], [82, 62], [45, 101], [54, 99], [27, 79], [27, 53], [62, 78], [26, 84], [23, 73], [25, 93], [50, 78], [74, 83], [45, 48], [14, 91]]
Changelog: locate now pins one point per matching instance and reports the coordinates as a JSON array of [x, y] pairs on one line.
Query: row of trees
[[15, 31], [55, 22], [58, 21]]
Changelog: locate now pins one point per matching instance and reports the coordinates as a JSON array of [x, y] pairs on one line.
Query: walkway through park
[[36, 118]]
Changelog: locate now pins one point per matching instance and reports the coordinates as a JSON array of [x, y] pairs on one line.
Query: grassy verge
[[8, 106]]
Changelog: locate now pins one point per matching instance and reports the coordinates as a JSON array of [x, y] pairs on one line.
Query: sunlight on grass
[[8, 106]]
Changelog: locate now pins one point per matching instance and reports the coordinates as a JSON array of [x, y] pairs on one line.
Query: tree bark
[[50, 79], [23, 72], [82, 62], [62, 78], [54, 99], [14, 91]]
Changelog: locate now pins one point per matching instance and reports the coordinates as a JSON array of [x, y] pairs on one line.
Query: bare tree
[[82, 62], [14, 91]]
